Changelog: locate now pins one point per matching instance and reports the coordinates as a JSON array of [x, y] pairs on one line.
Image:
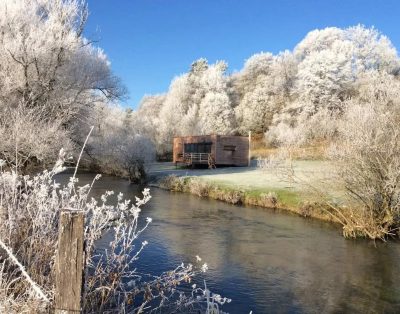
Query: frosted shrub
[[296, 130], [30, 209], [367, 154], [28, 139], [269, 199], [12, 300], [199, 187], [116, 147], [272, 163], [280, 164], [284, 134], [174, 183]]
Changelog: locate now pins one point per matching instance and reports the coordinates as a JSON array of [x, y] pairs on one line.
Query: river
[[265, 261]]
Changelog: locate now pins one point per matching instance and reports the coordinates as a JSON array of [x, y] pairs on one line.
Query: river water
[[265, 261]]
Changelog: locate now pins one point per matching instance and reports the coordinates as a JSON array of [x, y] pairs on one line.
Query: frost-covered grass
[[287, 198], [310, 172], [250, 178], [260, 187]]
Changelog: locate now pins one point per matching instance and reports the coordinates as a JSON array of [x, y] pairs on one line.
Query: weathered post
[[69, 262]]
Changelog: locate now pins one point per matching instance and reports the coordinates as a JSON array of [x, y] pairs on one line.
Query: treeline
[[292, 96]]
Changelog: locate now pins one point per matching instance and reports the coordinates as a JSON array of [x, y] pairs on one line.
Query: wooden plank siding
[[225, 149], [232, 150]]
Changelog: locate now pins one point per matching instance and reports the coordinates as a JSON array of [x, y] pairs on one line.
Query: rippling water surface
[[265, 261]]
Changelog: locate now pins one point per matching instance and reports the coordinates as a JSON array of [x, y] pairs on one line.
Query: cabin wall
[[177, 148], [232, 150]]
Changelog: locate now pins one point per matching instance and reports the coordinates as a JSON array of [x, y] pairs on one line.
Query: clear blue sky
[[150, 41]]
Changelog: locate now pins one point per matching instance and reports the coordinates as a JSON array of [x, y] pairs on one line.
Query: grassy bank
[[273, 198]]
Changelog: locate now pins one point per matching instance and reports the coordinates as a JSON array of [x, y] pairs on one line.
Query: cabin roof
[[209, 135]]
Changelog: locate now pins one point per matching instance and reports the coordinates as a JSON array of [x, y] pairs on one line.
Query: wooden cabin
[[211, 150]]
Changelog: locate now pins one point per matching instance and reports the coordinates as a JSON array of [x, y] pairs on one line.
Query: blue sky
[[151, 41]]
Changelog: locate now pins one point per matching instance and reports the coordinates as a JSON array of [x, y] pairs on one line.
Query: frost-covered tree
[[331, 60], [146, 120], [372, 50], [216, 115], [46, 65], [325, 77], [253, 111], [318, 40], [256, 110], [172, 112], [197, 103], [379, 88], [283, 75], [45, 60], [263, 87], [337, 67], [367, 155]]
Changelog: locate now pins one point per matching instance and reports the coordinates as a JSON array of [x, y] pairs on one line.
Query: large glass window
[[204, 148]]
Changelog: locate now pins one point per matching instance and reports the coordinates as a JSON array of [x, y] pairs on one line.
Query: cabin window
[[188, 148], [230, 148], [204, 148]]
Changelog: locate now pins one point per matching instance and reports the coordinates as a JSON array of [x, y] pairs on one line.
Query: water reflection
[[265, 261]]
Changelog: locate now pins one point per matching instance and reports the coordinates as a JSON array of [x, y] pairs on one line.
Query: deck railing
[[198, 158], [195, 157]]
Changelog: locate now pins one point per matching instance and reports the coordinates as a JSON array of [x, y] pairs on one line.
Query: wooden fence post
[[69, 262]]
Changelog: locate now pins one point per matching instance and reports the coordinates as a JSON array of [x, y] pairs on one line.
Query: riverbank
[[300, 194]]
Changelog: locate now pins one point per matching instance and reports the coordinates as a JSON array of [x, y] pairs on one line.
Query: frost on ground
[[307, 173]]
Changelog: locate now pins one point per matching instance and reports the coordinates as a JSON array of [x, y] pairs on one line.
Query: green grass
[[286, 198]]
